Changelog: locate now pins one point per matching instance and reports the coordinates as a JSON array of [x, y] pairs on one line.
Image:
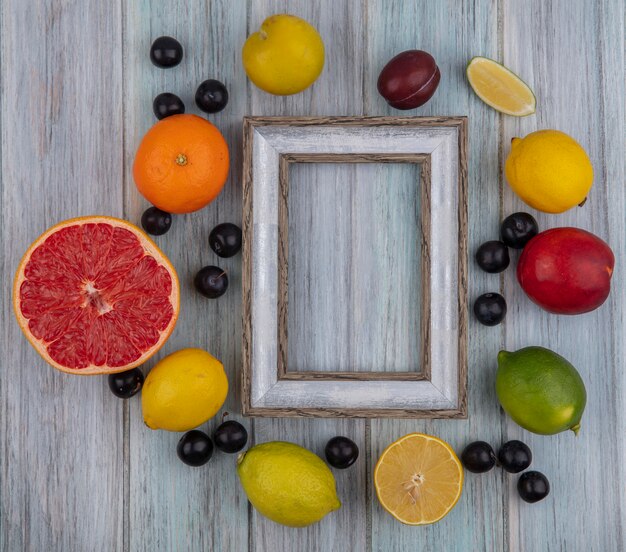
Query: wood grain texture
[[377, 336], [425, 277], [283, 266], [394, 158], [352, 120], [337, 92], [462, 214], [329, 375], [344, 412], [452, 33], [171, 506], [62, 464], [359, 322], [573, 40], [246, 271], [79, 471]]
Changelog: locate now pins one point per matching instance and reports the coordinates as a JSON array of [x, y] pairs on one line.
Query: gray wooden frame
[[270, 145]]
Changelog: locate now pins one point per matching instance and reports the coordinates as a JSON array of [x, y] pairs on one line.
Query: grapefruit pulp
[[95, 295]]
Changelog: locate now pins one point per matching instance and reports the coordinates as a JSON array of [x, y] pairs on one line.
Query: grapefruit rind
[[149, 247], [452, 456]]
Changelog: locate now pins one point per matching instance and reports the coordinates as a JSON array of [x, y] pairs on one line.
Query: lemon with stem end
[[287, 483], [549, 171], [183, 390], [285, 56]]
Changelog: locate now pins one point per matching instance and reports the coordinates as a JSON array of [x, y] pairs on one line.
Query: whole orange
[[181, 164]]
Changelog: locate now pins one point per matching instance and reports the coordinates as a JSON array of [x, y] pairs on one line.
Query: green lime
[[287, 483], [540, 390]]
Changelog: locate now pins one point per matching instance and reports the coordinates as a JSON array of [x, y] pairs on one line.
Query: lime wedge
[[500, 88]]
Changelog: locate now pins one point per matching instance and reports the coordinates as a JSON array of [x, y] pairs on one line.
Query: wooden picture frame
[[439, 388]]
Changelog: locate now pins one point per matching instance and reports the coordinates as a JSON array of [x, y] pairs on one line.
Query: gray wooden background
[[78, 469]]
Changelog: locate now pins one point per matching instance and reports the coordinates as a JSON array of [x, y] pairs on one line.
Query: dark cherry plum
[[533, 486], [167, 104], [211, 281], [166, 52], [230, 436], [195, 448], [211, 96], [514, 456], [126, 384], [518, 229], [156, 222], [478, 457], [225, 239], [490, 309], [409, 79], [493, 256], [341, 452]]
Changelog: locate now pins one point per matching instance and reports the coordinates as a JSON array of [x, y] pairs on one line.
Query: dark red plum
[[409, 79]]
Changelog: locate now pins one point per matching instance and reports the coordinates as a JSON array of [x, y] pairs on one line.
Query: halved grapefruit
[[94, 295]]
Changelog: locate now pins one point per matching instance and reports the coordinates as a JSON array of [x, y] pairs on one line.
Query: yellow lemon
[[549, 171], [285, 56], [183, 390], [418, 479], [287, 483]]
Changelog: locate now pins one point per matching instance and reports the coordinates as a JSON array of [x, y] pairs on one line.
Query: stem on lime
[[576, 429]]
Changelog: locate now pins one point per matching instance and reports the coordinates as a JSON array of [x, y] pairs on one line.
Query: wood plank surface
[[62, 475], [337, 92], [348, 283], [574, 61], [78, 468], [172, 506], [452, 36]]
